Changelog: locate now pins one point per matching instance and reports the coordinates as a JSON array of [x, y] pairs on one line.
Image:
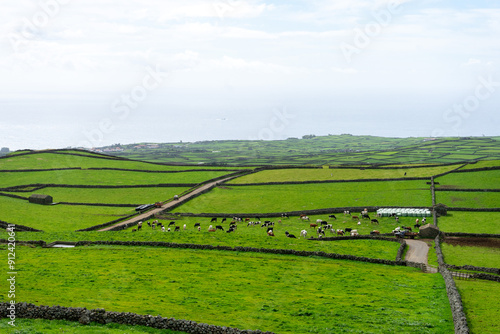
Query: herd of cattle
[[320, 227]]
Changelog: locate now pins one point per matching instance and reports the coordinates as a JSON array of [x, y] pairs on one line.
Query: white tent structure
[[402, 212]]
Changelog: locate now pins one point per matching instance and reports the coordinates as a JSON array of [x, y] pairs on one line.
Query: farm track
[[166, 206], [417, 251]]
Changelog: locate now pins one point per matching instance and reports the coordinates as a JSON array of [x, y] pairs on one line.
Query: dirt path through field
[[417, 251], [168, 205]]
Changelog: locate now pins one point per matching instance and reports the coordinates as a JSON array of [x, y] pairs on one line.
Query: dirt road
[[168, 205], [417, 251]]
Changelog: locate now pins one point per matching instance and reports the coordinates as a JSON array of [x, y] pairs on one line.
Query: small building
[[428, 231], [40, 199]]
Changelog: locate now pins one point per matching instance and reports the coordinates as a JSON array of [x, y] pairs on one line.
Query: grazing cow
[[332, 216], [340, 232], [223, 220], [214, 219], [397, 218], [290, 235], [218, 227], [375, 221], [354, 233], [313, 225], [416, 221], [211, 229], [347, 213], [406, 228], [199, 228], [324, 222], [153, 226], [417, 226], [328, 226], [168, 229], [355, 217], [284, 215], [303, 233], [184, 226], [163, 228], [139, 225], [197, 225], [270, 229], [304, 218], [149, 224], [320, 231], [177, 228], [134, 230], [270, 233], [365, 216], [231, 229], [423, 220], [374, 232], [348, 229], [171, 223], [176, 197], [359, 223]]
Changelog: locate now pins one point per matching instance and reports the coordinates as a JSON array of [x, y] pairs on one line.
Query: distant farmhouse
[[40, 199]]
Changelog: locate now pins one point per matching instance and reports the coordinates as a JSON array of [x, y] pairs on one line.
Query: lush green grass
[[283, 198], [39, 326], [109, 196], [287, 175], [43, 160], [284, 294], [470, 222], [103, 177], [244, 236], [467, 199], [53, 218], [482, 164], [480, 300], [476, 256], [471, 180]]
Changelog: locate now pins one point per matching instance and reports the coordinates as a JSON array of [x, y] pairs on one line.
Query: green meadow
[[284, 294], [468, 255], [470, 222]]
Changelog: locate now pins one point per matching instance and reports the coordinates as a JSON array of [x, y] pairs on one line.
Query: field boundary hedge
[[14, 196], [18, 227], [474, 209], [326, 181], [100, 226], [164, 171], [473, 235], [457, 309], [474, 268], [38, 170], [469, 190], [39, 186], [480, 169], [101, 316]]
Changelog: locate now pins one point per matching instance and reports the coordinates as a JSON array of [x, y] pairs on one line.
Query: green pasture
[[243, 237], [283, 294], [54, 218], [482, 164], [475, 199], [103, 177], [468, 255], [40, 326], [73, 159], [480, 300], [472, 180], [470, 222], [107, 195], [291, 175], [284, 198]]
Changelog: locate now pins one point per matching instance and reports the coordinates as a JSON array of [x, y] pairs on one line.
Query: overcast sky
[[97, 72]]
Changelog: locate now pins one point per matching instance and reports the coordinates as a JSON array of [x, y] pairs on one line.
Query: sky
[[89, 73]]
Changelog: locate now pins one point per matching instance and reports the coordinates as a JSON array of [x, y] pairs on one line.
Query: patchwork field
[[280, 293]]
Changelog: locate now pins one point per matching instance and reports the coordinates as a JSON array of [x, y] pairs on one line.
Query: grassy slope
[[264, 289], [471, 180], [469, 199], [283, 198]]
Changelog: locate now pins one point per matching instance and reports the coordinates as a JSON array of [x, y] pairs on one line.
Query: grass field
[[287, 175], [54, 218], [283, 198], [277, 293], [480, 299], [471, 180], [475, 256], [474, 199], [38, 326], [470, 222], [108, 196]]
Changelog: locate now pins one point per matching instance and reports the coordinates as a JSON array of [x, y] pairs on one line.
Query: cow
[[171, 223], [374, 221], [270, 233], [213, 220], [340, 232], [177, 228], [355, 217], [197, 225], [324, 222], [332, 216], [223, 220], [365, 216], [417, 226], [313, 225], [290, 235], [284, 215], [354, 233], [218, 227], [348, 229], [374, 232], [303, 233]]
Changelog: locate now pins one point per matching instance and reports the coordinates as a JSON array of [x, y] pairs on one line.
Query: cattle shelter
[[40, 199]]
